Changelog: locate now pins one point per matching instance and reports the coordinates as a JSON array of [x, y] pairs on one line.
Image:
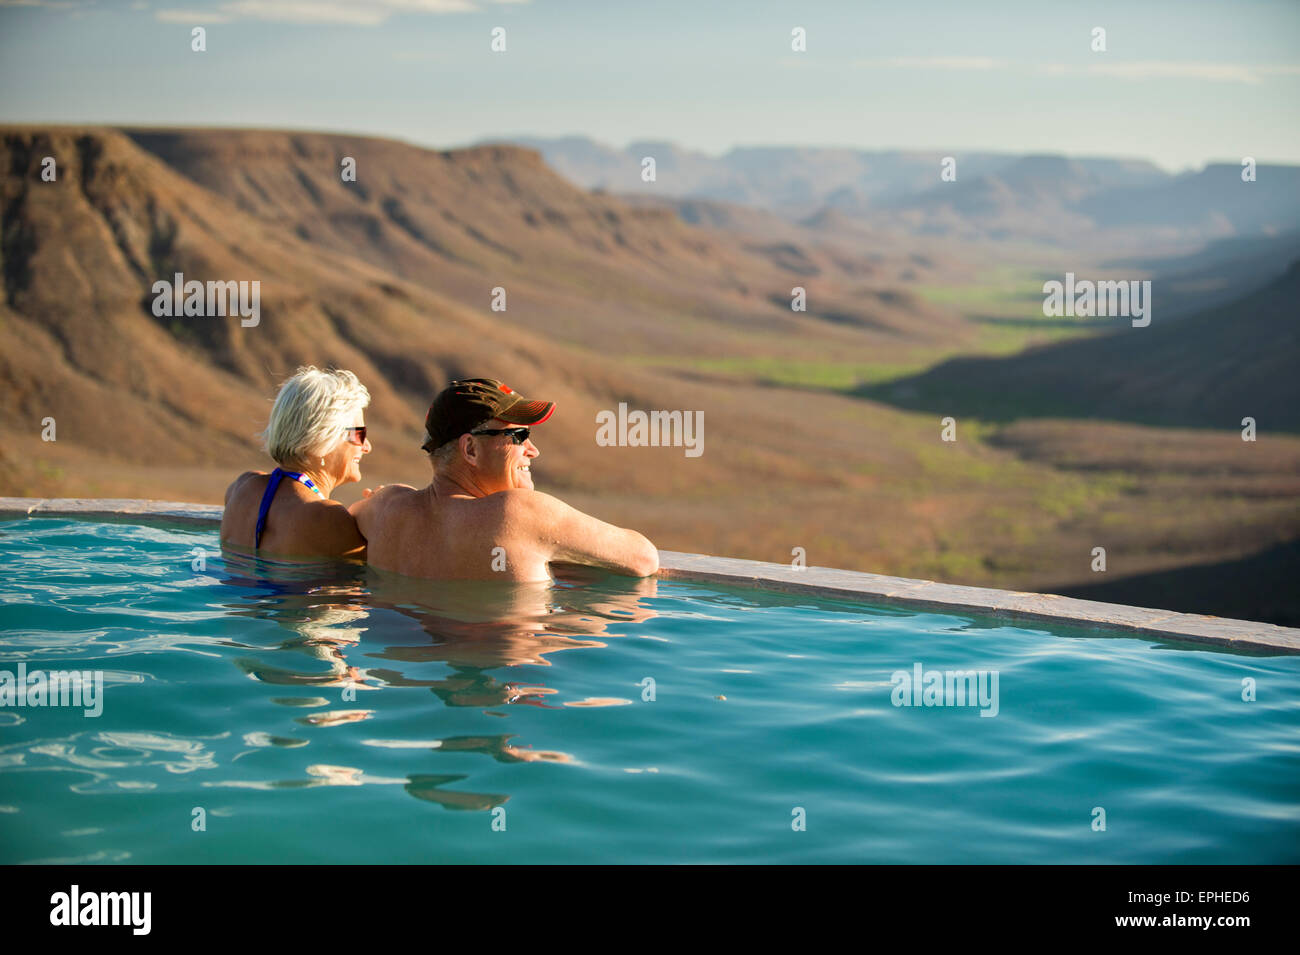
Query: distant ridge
[[1207, 370], [1058, 199]]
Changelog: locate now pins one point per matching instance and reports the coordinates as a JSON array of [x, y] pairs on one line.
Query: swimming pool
[[252, 714]]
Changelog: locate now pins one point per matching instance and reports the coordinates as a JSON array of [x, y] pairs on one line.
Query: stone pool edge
[[820, 581]]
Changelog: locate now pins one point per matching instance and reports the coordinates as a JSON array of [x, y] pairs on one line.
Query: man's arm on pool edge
[[578, 538]]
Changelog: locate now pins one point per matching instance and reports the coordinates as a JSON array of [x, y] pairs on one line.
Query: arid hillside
[[1208, 370], [576, 266], [392, 276]]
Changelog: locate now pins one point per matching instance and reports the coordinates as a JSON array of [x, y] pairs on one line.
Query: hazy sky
[[1181, 82]]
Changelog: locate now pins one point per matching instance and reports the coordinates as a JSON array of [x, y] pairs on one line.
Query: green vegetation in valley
[[792, 373], [1007, 290]]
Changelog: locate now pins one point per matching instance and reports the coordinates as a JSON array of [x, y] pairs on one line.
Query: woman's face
[[344, 462]]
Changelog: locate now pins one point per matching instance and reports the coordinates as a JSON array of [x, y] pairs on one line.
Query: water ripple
[[658, 721]]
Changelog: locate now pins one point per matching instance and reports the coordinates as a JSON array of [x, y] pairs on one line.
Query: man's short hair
[[444, 454]]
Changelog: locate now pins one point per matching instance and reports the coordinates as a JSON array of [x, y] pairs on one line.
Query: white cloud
[[1166, 69], [1133, 69], [944, 62], [354, 12], [52, 4], [191, 17]]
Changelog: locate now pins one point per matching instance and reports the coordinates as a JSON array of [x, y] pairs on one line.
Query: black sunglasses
[[517, 435], [360, 432]]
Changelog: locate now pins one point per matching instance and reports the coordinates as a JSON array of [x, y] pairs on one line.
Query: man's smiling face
[[504, 465]]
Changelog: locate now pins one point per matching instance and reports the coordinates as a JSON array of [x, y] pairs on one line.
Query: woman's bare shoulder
[[240, 487], [242, 481], [328, 528]]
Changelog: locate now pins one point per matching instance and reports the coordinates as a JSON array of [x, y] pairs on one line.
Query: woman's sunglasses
[[517, 435], [359, 433]]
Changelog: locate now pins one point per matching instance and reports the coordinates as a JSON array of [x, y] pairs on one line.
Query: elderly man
[[479, 518]]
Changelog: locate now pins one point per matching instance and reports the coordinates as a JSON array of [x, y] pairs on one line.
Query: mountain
[[1028, 197], [1105, 203], [1208, 370], [667, 304], [1216, 273], [1213, 201], [1066, 201], [793, 180], [575, 265], [391, 277], [81, 344], [1257, 587]]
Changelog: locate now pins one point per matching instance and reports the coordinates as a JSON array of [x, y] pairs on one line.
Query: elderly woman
[[317, 435]]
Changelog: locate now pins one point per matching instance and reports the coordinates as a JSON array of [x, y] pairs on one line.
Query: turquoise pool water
[[348, 717]]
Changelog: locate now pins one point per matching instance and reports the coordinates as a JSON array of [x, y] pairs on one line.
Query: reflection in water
[[335, 717], [260, 739], [300, 700], [471, 627], [478, 626], [498, 747], [100, 761], [320, 775], [424, 786], [317, 603]]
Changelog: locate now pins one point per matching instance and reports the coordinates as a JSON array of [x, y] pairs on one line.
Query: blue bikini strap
[[271, 485], [276, 476]]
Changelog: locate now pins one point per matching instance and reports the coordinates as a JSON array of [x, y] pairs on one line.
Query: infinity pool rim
[[819, 581]]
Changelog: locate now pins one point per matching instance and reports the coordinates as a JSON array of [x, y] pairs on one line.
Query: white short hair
[[444, 455], [311, 412]]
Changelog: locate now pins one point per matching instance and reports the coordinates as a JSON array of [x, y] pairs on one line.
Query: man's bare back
[[509, 535], [480, 518]]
